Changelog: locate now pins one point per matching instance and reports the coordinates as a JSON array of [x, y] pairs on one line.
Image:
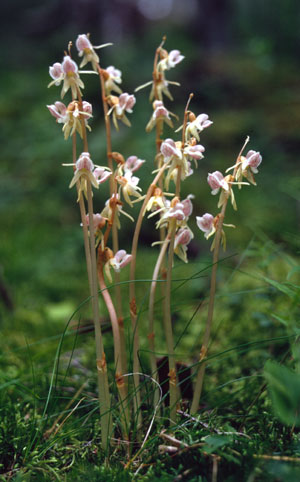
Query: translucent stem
[[115, 237], [132, 295], [151, 333], [104, 397], [204, 348], [119, 367]]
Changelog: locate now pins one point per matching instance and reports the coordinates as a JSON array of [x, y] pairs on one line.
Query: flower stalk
[[213, 281]]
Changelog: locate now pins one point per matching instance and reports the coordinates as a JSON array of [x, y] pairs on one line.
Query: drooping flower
[[112, 77], [248, 165], [86, 51], [117, 262], [194, 151], [120, 105], [129, 186], [169, 149], [206, 224], [70, 116], [66, 72], [177, 210], [169, 60], [182, 238], [160, 114], [217, 181], [120, 260], [84, 171], [133, 163], [98, 221], [197, 125], [101, 174]]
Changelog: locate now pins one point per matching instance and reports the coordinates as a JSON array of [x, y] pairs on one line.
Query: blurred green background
[[241, 62]]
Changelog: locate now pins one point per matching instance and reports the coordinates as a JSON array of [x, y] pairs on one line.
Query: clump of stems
[[173, 165]]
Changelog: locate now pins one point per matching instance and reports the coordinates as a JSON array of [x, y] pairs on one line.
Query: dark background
[[241, 62]]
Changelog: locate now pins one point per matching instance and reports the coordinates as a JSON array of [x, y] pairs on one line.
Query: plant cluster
[[175, 160]]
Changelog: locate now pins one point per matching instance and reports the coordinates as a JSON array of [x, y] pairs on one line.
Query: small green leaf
[[284, 386], [280, 286], [215, 441]]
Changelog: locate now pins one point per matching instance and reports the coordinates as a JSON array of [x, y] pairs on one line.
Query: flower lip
[[120, 260], [69, 66], [56, 71], [205, 222], [168, 149], [253, 159], [216, 181], [83, 43], [84, 162]]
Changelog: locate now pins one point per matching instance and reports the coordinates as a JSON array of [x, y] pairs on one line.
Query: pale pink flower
[[68, 65], [101, 174], [126, 103], [84, 162], [177, 212], [83, 43], [160, 114], [173, 58], [195, 152], [182, 239], [120, 105], [56, 72], [247, 166], [253, 159], [98, 221], [86, 51], [196, 126], [133, 163], [187, 205], [180, 211], [206, 224], [59, 111], [70, 116], [216, 181], [113, 76], [183, 236], [87, 110], [129, 186], [83, 173], [67, 72], [120, 260], [168, 149], [159, 109]]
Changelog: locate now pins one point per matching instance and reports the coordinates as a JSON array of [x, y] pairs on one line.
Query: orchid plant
[[175, 161]]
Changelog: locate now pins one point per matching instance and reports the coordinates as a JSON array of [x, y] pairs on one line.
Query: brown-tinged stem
[[120, 369], [83, 219], [167, 305], [115, 237], [168, 320], [132, 296], [103, 388], [151, 332], [204, 348], [203, 352]]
